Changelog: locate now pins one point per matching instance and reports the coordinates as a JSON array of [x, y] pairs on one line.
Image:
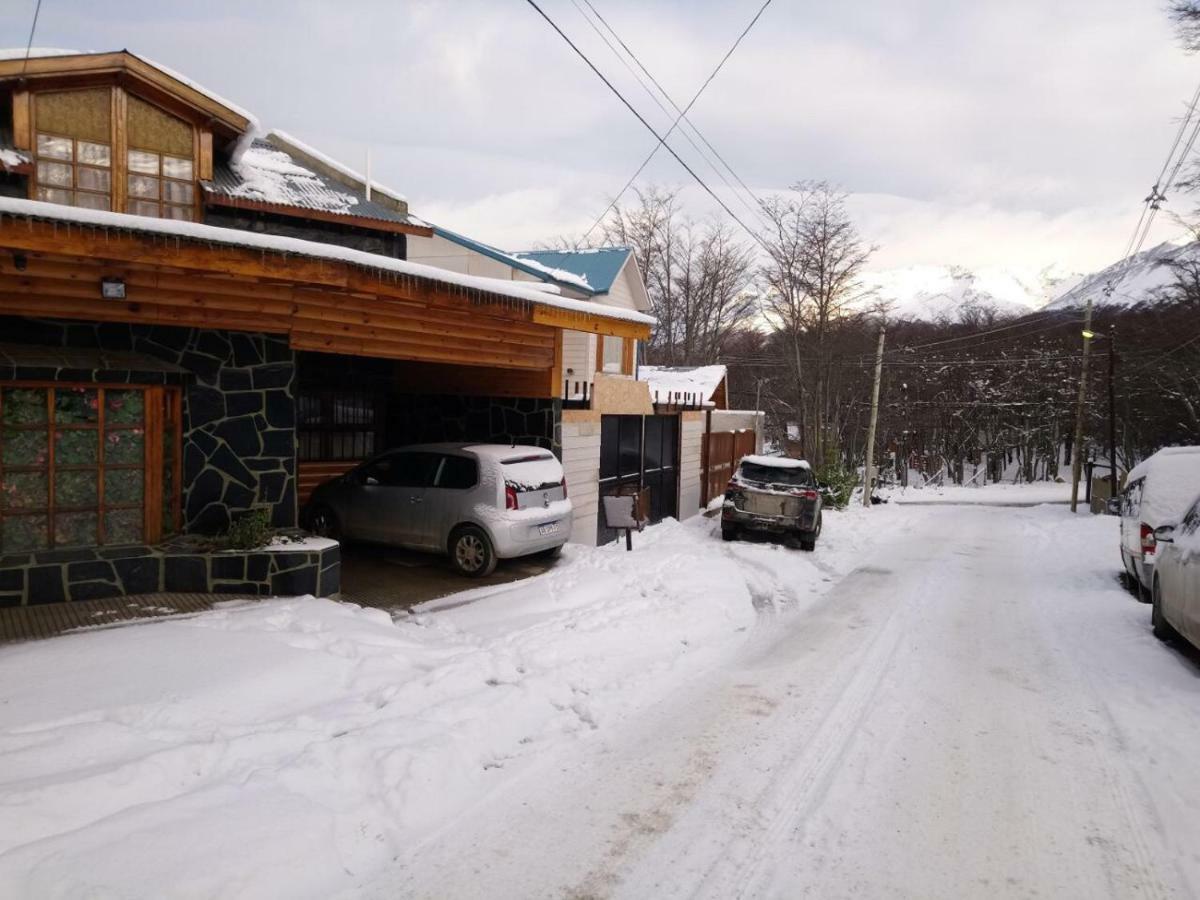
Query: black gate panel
[[639, 451]]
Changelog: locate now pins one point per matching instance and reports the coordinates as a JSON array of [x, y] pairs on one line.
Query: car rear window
[[532, 472], [791, 477]]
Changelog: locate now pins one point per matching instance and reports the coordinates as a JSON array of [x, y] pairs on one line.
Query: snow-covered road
[[977, 710], [941, 702]]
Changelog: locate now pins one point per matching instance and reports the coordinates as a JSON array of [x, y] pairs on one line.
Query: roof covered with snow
[[671, 382], [597, 267], [557, 276], [266, 172], [114, 221]]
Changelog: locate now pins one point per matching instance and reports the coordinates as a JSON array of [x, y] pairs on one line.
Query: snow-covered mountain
[[1135, 281], [954, 293]]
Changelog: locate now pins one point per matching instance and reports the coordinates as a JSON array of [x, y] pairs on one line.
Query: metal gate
[[639, 451]]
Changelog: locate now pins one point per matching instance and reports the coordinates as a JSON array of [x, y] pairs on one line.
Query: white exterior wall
[[691, 437], [581, 464], [577, 349], [445, 254]]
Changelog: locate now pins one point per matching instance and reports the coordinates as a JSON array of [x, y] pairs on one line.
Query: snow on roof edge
[[195, 231], [335, 165]]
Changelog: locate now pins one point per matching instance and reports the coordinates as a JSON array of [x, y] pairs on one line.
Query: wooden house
[[197, 322]]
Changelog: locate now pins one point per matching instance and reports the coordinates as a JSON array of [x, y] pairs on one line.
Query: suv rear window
[[797, 476]]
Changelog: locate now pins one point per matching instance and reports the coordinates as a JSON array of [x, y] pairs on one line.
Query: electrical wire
[[32, 31], [756, 207], [679, 159]]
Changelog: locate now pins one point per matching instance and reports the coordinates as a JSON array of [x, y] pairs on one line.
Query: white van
[[1157, 492]]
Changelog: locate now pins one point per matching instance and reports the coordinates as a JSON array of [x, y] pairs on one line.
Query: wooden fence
[[719, 458]]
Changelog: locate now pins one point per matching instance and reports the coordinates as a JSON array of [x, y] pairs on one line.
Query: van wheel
[[323, 522], [471, 552], [1163, 630]]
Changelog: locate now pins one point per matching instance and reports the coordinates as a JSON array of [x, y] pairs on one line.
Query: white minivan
[[1157, 492]]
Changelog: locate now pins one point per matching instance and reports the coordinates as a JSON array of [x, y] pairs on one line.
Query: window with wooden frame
[[73, 149], [87, 465], [161, 163], [614, 355], [105, 148]]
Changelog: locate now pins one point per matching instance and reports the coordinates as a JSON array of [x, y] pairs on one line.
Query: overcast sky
[[1019, 133]]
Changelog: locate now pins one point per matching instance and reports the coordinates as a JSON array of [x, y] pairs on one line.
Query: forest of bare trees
[[792, 322]]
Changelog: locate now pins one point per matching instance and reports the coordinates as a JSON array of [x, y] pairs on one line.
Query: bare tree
[[1186, 15], [811, 281], [697, 276]]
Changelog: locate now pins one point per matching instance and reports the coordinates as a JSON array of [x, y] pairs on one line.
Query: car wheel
[[1144, 594], [323, 522], [471, 552], [1163, 630], [729, 532], [808, 540]]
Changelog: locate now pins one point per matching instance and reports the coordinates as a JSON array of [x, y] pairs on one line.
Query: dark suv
[[774, 494]]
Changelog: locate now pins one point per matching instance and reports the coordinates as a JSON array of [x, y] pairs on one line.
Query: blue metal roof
[[599, 267], [511, 259]]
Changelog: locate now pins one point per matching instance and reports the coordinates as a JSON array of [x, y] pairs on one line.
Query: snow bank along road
[[948, 702]]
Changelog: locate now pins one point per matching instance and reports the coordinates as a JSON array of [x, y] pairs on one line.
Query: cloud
[[967, 131]]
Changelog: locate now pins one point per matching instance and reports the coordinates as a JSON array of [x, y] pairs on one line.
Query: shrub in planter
[[249, 531]]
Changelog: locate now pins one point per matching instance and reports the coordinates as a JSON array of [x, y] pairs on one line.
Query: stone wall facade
[[239, 410], [58, 576]]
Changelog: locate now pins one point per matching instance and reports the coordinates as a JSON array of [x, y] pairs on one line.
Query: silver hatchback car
[[478, 503]]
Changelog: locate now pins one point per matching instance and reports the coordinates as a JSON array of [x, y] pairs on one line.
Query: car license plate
[[551, 528]]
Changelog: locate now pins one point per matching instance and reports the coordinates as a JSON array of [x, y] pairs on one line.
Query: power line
[[32, 30], [755, 208], [661, 140]]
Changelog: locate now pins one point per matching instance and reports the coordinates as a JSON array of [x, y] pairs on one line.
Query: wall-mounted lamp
[[112, 288]]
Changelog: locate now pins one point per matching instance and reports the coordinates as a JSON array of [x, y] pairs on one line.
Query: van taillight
[[510, 497], [1148, 542]]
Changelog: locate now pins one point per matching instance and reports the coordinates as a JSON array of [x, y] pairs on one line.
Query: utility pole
[[1077, 462], [1112, 407], [867, 469]]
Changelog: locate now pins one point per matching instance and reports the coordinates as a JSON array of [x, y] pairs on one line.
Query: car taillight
[[510, 497], [1148, 542], [806, 495], [564, 487]]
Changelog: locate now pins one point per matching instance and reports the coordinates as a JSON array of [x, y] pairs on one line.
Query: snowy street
[[940, 702], [962, 715]]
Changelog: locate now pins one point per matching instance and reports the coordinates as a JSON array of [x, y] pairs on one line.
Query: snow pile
[[356, 177], [553, 272], [291, 748], [313, 249], [10, 159], [669, 383], [985, 495], [271, 176]]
